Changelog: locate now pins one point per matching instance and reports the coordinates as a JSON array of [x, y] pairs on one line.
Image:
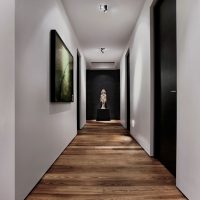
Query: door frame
[[152, 78], [128, 89], [155, 75], [78, 88]]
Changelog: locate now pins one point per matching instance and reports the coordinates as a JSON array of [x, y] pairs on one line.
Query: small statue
[[103, 99]]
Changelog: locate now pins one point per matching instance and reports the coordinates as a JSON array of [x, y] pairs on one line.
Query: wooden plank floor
[[105, 163]]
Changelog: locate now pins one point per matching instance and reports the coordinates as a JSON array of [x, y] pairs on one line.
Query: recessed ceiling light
[[103, 8], [103, 50]]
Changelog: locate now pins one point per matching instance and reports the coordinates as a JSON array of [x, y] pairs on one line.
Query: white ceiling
[[96, 29]]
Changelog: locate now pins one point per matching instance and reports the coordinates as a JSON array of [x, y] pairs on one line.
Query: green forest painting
[[62, 71]]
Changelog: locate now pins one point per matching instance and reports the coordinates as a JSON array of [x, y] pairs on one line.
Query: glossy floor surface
[[104, 163]]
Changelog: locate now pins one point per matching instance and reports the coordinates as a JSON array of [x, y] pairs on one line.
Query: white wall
[[188, 130], [140, 78], [7, 99], [103, 66], [43, 129], [188, 81], [83, 93], [123, 93]]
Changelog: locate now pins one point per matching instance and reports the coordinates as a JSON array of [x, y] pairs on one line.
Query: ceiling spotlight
[[103, 50], [103, 8]]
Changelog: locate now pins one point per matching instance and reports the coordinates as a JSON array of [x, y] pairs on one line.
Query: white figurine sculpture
[[103, 99]]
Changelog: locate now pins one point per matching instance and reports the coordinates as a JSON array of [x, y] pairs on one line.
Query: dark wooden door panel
[[166, 87]]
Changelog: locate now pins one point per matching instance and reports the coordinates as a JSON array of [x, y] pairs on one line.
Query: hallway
[[103, 162]]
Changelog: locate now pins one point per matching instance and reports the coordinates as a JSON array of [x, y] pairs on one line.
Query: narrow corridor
[[103, 162]]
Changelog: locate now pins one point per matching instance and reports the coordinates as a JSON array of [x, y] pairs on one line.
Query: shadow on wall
[[55, 108]]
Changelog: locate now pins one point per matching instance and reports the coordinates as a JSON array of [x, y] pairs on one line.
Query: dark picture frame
[[62, 70]]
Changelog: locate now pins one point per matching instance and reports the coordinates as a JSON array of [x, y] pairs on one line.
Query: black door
[[128, 88], [165, 82], [78, 90]]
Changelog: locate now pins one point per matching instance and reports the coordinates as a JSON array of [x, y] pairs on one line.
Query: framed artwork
[[61, 60]]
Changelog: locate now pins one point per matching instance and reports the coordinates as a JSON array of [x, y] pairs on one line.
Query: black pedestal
[[103, 115]]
